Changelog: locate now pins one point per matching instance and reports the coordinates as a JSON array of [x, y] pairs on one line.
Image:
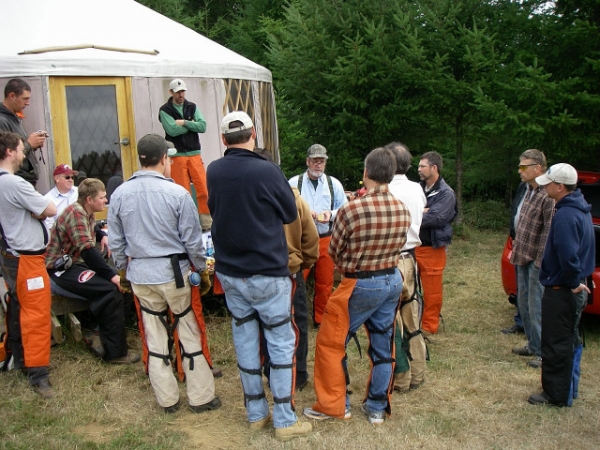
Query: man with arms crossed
[[324, 195], [368, 234], [23, 268], [250, 200], [182, 120], [409, 316], [532, 226], [568, 260], [155, 234]]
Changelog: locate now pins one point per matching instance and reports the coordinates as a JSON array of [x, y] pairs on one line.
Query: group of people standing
[[553, 254], [268, 234]]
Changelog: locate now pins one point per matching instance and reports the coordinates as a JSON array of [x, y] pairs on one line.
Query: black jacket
[[10, 122], [436, 228]]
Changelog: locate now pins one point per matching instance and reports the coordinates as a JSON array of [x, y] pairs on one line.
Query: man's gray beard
[[314, 174]]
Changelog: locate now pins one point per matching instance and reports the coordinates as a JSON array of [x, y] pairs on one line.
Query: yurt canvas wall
[[100, 71]]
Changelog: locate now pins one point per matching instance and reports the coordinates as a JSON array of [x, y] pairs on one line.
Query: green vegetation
[[477, 81]]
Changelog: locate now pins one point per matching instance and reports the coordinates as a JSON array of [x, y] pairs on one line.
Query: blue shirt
[[149, 218], [319, 199]]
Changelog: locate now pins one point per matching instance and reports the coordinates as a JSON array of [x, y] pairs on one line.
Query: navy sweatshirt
[[569, 253], [249, 199]]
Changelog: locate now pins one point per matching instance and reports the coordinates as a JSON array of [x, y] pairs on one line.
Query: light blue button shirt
[[319, 199], [149, 218]]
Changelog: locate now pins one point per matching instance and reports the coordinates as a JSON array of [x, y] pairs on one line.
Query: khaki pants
[[408, 320], [199, 381]]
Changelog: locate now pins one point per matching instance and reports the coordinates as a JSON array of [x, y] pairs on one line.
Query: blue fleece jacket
[[249, 200], [569, 253]]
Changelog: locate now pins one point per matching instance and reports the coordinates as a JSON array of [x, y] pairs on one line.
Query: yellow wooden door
[[93, 127]]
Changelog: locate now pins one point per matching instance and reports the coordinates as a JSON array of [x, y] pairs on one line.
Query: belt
[[322, 235], [370, 273]]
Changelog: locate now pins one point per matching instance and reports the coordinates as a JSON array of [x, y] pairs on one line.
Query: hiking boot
[[513, 330], [92, 340], [401, 390], [215, 403], [542, 399], [414, 386], [316, 415], [173, 408], [375, 417], [522, 351], [260, 424], [129, 358], [44, 389], [535, 363], [297, 430]]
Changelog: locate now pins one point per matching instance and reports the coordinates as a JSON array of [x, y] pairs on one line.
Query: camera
[[63, 263]]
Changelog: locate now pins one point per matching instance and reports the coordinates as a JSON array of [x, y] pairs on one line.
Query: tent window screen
[[94, 130]]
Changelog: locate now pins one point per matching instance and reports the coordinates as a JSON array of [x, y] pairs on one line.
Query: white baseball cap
[[236, 116], [561, 173], [177, 85]]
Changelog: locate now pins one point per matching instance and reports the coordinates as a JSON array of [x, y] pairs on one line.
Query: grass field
[[474, 396]]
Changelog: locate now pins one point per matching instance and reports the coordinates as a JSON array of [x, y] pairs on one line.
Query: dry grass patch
[[474, 396]]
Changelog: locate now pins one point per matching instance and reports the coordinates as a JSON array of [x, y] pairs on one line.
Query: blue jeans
[[269, 298], [529, 301], [374, 302]]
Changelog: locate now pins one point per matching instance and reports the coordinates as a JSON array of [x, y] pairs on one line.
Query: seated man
[[74, 264]]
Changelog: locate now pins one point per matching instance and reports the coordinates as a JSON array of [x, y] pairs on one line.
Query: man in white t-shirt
[[63, 193], [408, 318]]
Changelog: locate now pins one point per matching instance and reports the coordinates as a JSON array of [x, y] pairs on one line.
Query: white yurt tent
[[100, 70]]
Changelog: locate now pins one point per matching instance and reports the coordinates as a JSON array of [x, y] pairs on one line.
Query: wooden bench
[[65, 306]]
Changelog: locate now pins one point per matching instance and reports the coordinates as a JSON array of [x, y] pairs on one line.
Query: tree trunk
[[459, 169]]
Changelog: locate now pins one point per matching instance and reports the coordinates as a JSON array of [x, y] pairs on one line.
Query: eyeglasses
[[69, 177], [525, 166], [317, 163]]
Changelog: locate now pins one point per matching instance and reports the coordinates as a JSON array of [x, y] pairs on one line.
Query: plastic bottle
[[210, 250]]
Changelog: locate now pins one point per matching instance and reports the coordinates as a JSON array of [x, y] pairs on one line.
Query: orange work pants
[[186, 168], [431, 262], [323, 271], [35, 299]]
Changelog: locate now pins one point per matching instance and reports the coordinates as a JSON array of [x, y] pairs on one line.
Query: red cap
[[64, 169]]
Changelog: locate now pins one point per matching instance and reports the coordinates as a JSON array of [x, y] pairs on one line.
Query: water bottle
[[210, 250], [194, 278]]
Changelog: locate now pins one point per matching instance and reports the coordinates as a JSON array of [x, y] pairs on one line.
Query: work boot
[[215, 403], [173, 408], [513, 330], [44, 389], [129, 358], [92, 340], [522, 351], [260, 424], [297, 430]]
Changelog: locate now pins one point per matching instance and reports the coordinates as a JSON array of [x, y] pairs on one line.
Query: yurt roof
[[110, 38]]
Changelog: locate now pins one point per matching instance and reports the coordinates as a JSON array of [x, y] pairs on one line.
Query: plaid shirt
[[73, 232], [533, 227], [369, 232]]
